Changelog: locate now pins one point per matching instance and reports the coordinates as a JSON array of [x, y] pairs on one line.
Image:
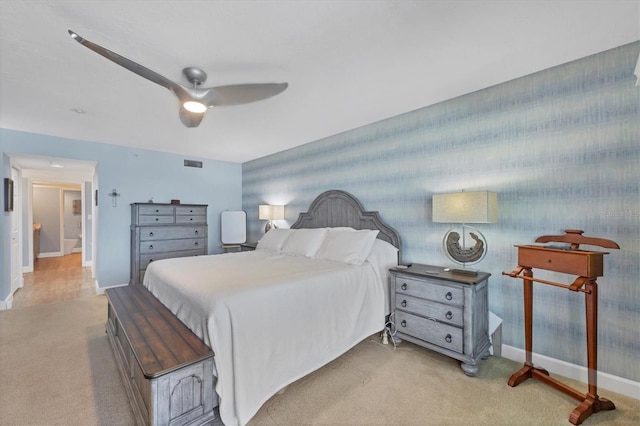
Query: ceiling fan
[[194, 101]]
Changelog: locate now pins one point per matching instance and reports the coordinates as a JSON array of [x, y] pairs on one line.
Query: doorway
[[59, 265]]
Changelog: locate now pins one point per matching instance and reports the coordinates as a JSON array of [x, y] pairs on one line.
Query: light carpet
[[56, 368]]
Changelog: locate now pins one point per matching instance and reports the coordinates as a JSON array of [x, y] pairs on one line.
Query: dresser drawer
[[156, 210], [431, 290], [427, 308], [171, 245], [444, 335], [154, 233], [149, 220], [191, 219], [146, 259], [191, 210]]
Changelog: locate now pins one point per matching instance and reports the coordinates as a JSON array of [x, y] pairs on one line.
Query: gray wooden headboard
[[336, 208]]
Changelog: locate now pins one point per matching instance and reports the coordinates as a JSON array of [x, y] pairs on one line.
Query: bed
[[305, 296]]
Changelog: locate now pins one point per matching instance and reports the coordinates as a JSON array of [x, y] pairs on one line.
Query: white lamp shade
[[466, 207], [269, 212]]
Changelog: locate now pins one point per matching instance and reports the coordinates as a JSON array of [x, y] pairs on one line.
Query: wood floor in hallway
[[55, 279]]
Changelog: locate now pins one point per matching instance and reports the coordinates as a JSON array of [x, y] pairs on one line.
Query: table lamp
[[270, 213], [463, 208]]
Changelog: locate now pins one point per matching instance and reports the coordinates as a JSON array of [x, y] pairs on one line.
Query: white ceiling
[[348, 63]]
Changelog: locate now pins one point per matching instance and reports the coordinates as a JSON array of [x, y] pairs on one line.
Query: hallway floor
[[55, 279]]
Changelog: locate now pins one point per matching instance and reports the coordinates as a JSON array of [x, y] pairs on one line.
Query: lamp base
[[467, 272], [269, 226], [456, 249]]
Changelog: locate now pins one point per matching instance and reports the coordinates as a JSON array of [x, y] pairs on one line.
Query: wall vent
[[193, 163]]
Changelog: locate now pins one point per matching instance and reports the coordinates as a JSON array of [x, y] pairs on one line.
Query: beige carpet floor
[[56, 368]]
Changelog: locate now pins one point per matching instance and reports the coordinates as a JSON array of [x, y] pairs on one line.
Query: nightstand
[[248, 246], [442, 311]]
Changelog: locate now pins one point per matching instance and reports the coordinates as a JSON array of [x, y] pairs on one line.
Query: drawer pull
[[157, 219], [403, 323], [404, 286], [150, 260], [151, 234], [448, 315], [157, 211], [190, 218], [191, 211], [151, 247], [195, 244], [448, 296], [196, 232], [404, 303], [448, 338]]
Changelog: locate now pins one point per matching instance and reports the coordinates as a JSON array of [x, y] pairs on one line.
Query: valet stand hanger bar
[[576, 286], [588, 265]]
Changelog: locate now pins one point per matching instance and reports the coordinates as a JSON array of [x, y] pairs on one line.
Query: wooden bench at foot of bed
[[166, 369]]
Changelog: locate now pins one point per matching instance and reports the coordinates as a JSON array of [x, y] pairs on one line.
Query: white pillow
[[347, 246], [274, 239], [304, 242], [384, 256], [383, 253]]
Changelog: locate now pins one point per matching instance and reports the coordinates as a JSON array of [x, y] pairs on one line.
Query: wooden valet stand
[[587, 265]]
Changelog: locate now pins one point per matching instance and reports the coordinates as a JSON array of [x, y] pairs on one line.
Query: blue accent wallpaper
[[561, 147]]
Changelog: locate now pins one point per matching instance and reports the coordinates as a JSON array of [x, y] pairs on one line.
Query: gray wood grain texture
[[431, 313], [162, 231], [166, 370], [337, 208]]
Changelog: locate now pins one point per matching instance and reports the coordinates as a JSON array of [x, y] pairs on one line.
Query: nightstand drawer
[[444, 335], [427, 308], [432, 290]]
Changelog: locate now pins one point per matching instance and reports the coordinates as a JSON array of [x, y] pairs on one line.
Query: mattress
[[270, 318]]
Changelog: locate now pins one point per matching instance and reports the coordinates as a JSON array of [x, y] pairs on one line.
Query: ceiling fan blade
[[142, 71], [190, 119], [242, 93]]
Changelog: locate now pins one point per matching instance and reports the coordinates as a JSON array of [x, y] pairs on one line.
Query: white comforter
[[270, 318]]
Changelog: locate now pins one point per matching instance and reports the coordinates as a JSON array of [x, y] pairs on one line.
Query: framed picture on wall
[[77, 206], [8, 195]]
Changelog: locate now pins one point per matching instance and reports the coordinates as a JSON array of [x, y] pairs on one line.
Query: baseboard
[[101, 290], [575, 372], [76, 250], [6, 303], [50, 254]]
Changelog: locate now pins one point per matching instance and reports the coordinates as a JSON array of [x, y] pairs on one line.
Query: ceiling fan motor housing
[[195, 75]]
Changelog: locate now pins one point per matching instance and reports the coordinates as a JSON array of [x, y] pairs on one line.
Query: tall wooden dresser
[[163, 231]]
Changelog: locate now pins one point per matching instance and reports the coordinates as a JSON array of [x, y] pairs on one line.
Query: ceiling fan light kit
[[195, 107], [193, 101]]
